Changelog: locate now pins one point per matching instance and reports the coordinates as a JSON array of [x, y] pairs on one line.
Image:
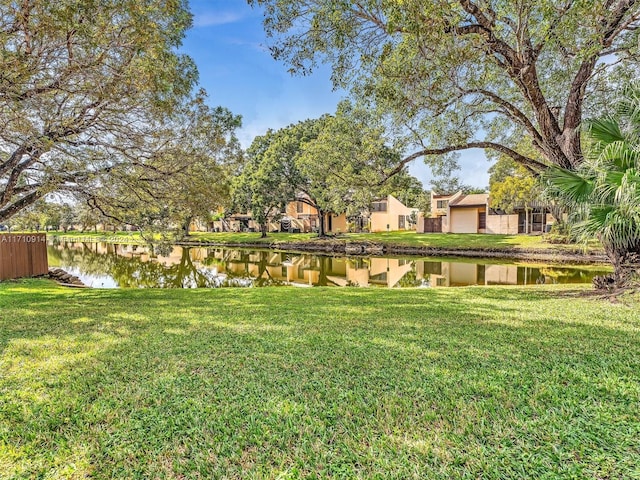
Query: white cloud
[[211, 19], [260, 47]]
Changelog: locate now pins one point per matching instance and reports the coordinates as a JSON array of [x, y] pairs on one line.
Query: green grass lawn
[[233, 237], [454, 241], [317, 383], [438, 240], [227, 237], [110, 237]]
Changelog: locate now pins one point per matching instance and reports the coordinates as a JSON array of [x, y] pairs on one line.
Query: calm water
[[111, 266]]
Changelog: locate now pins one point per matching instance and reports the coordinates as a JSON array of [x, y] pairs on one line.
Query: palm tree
[[603, 195]]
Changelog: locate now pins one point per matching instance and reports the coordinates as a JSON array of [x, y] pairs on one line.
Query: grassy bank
[[317, 383], [229, 237], [406, 238], [449, 241]]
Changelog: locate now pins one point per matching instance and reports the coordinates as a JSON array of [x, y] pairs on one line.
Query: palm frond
[[619, 154], [603, 195], [605, 131], [615, 227], [629, 106], [628, 189], [569, 186]]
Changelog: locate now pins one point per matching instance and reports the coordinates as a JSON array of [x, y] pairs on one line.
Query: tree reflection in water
[[133, 266]]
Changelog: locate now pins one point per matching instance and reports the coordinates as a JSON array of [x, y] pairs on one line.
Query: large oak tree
[[85, 88], [469, 73], [335, 164], [188, 179]]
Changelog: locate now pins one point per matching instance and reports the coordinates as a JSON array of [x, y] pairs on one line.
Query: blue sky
[[227, 43]]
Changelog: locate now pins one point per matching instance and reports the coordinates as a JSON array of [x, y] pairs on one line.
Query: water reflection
[[132, 266]]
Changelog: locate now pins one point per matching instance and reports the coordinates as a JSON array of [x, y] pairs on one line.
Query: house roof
[[473, 200]]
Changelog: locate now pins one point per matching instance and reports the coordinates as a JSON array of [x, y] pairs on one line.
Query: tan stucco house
[[460, 213], [386, 214], [390, 214], [298, 216]]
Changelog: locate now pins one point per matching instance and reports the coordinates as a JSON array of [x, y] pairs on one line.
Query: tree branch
[[573, 107], [530, 164], [515, 112], [18, 205], [552, 28], [522, 71]]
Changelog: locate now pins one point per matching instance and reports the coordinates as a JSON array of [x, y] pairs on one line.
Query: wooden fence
[[432, 225], [23, 255]]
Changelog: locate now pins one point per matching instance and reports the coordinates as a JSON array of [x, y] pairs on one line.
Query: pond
[[131, 266]]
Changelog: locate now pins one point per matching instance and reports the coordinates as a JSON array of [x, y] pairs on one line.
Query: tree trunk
[[526, 221], [321, 230], [323, 280], [626, 265], [262, 269], [185, 226], [263, 230]]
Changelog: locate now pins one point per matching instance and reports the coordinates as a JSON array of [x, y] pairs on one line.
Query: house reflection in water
[[313, 270], [456, 274], [135, 266]]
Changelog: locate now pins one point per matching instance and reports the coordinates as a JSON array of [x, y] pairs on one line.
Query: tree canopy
[[86, 88], [189, 180], [336, 164], [269, 176], [469, 73], [512, 186]]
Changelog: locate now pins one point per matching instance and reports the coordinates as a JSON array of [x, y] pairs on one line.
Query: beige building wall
[[301, 212], [552, 220], [446, 228], [444, 209], [236, 225], [395, 208], [338, 223], [463, 220], [292, 209], [502, 224], [197, 226], [501, 274], [463, 274]]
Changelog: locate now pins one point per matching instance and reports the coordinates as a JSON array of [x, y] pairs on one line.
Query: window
[[379, 206], [401, 222], [442, 203], [299, 207]]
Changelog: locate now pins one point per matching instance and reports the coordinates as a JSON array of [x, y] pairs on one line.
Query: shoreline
[[372, 249], [360, 248]]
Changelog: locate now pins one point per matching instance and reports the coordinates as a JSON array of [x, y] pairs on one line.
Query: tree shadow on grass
[[233, 383]]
